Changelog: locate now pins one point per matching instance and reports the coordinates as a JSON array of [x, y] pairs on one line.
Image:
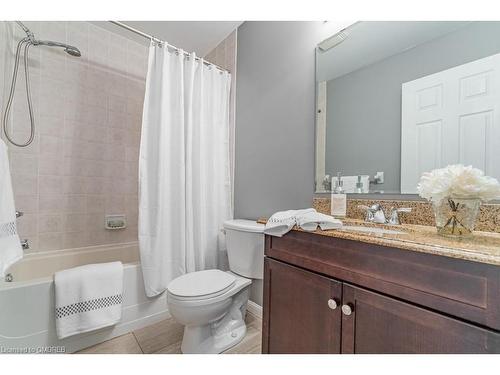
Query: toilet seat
[[201, 285]]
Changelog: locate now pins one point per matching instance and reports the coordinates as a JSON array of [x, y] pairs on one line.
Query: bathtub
[[27, 322]]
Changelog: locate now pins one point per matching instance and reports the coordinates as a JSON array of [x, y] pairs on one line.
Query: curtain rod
[[151, 37]]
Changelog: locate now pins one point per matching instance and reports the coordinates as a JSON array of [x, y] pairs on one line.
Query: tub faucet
[[25, 245]]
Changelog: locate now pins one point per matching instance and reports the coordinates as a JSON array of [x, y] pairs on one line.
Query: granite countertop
[[483, 247]]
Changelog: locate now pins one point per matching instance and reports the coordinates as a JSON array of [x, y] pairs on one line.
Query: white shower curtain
[[184, 169]]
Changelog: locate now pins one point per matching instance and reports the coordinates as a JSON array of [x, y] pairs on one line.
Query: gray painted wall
[[365, 105], [275, 100], [275, 94]]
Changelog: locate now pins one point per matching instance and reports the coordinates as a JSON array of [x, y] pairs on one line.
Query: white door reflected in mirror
[[451, 117]]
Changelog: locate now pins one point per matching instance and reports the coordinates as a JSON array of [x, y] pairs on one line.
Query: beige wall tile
[[49, 223], [50, 185], [74, 222], [50, 204], [28, 225], [25, 164], [50, 241], [24, 184], [83, 162], [27, 204]]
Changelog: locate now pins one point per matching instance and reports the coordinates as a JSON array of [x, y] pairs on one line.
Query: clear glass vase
[[456, 217]]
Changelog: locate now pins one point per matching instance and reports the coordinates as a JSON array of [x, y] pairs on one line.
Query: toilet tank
[[245, 247]]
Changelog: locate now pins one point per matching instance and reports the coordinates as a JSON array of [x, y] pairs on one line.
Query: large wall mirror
[[396, 99]]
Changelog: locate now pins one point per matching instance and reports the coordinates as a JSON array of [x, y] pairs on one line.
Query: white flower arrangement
[[458, 181]]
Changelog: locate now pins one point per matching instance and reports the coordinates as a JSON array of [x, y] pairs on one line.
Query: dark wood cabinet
[[384, 325], [386, 300], [300, 316]]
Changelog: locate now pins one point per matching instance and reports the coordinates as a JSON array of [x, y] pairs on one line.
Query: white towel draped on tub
[[10, 245], [88, 298]]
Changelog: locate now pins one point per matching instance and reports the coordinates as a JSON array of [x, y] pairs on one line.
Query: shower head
[[73, 51], [69, 49]]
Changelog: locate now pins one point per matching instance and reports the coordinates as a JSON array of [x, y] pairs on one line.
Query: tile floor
[[165, 337]]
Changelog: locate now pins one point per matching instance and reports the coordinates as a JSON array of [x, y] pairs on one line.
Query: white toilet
[[212, 304]]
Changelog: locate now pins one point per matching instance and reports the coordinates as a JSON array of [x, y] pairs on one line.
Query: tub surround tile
[[49, 223], [28, 226], [85, 153], [422, 213], [24, 184], [27, 204], [50, 166], [48, 204], [24, 164], [50, 185], [72, 240], [50, 241]]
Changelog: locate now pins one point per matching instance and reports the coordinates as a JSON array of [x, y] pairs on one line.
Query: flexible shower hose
[[27, 44]]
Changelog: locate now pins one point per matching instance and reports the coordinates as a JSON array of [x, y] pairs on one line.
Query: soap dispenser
[[338, 199], [359, 186]]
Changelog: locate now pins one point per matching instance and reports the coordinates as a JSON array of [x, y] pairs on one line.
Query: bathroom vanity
[[352, 292]]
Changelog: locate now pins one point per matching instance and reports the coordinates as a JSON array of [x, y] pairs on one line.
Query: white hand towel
[[310, 221], [88, 298], [10, 244], [282, 222]]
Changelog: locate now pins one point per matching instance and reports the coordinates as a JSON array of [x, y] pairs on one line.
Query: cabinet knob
[[346, 310], [332, 304]]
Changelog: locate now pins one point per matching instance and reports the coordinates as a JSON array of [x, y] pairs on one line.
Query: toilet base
[[211, 344], [222, 333]]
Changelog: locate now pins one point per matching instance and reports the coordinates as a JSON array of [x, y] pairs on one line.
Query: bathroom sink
[[371, 230]]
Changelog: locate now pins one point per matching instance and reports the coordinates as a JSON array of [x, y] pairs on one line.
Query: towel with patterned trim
[[88, 298], [282, 222], [311, 220], [10, 244]]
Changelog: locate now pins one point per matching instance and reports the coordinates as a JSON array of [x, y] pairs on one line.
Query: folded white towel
[[282, 222], [310, 221], [88, 298], [10, 244]]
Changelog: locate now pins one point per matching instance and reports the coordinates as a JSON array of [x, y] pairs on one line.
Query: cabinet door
[[379, 324], [299, 313]]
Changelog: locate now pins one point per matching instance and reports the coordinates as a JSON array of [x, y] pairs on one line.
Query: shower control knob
[[332, 304], [347, 310], [25, 245]]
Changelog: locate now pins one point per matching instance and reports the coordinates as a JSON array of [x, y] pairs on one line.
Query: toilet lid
[[243, 225], [201, 284]]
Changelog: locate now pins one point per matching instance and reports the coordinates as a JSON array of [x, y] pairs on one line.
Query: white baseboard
[[254, 309]]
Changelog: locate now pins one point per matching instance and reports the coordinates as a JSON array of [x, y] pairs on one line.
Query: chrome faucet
[[375, 214], [394, 217], [25, 244]]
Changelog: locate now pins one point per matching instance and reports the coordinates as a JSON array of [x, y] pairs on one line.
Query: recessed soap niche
[[115, 222]]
